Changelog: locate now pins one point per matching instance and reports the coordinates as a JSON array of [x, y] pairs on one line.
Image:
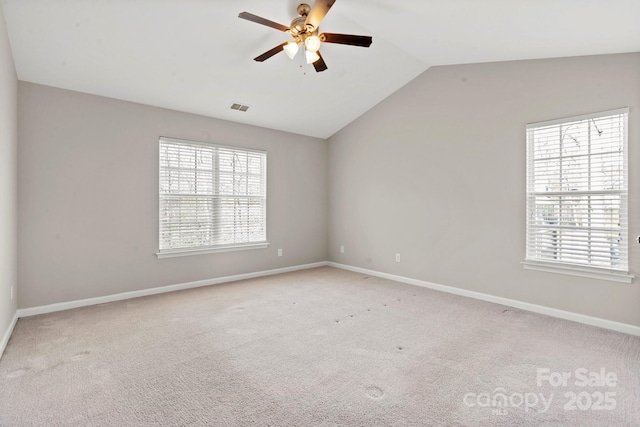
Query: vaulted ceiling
[[197, 55]]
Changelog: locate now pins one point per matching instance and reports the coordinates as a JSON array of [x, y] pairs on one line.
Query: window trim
[[581, 271], [210, 250], [203, 250], [594, 272]]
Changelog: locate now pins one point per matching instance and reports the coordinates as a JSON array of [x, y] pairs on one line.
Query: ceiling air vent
[[240, 107]]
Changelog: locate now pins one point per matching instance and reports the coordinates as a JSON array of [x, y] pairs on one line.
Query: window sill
[[189, 252], [591, 273]]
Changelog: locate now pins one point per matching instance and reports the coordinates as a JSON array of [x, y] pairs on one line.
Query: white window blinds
[[577, 191], [211, 196]]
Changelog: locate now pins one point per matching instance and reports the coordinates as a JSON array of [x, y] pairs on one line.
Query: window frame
[[564, 267], [199, 250]]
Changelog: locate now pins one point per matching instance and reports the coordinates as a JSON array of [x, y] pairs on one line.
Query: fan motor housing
[[297, 25]]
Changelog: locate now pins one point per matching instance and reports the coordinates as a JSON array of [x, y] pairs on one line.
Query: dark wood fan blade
[[260, 20], [318, 11], [319, 65], [268, 54], [350, 39]]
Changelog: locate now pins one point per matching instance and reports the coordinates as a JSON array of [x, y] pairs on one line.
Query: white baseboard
[[7, 334], [33, 311], [553, 312]]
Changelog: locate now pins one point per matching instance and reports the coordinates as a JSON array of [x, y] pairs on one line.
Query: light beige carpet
[[320, 347]]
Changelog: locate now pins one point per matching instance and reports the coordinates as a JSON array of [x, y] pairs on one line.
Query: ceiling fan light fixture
[[291, 49], [312, 43], [311, 56], [304, 30]]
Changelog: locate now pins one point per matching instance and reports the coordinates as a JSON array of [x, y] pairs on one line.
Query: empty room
[[332, 213]]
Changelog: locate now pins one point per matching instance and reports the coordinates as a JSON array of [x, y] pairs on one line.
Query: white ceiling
[[196, 55]]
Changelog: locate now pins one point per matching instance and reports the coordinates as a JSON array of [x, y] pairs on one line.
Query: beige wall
[[8, 180], [436, 172], [88, 197]]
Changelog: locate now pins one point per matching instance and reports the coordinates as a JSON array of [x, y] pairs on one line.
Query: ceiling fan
[[304, 30]]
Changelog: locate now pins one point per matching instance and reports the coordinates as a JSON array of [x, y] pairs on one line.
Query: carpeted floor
[[319, 347]]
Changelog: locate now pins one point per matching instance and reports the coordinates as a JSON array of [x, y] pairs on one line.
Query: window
[[212, 198], [577, 195]]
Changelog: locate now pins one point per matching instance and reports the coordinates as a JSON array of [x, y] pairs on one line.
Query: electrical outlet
[[397, 257], [341, 249], [279, 252]]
